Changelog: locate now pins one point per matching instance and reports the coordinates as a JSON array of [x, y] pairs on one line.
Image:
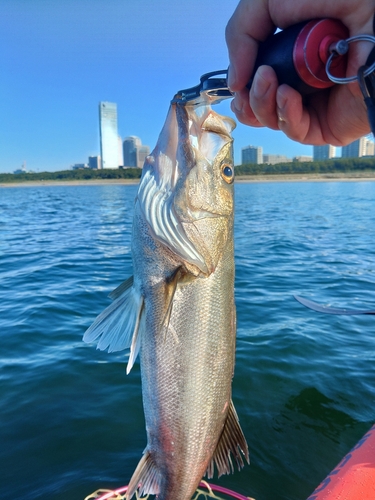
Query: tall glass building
[[361, 147], [134, 152], [252, 154], [324, 152], [109, 147]]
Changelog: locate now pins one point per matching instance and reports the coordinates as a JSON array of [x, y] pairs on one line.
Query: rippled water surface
[[304, 388]]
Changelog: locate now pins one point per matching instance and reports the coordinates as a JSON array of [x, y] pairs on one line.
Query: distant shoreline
[[89, 182], [349, 176]]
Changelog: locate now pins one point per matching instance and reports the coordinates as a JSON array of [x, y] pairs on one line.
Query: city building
[[21, 170], [370, 148], [95, 162], [361, 147], [78, 166], [274, 159], [134, 152], [324, 152], [130, 146], [109, 147], [120, 153], [252, 154], [303, 158], [143, 152]]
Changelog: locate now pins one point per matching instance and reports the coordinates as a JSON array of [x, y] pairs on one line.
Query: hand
[[334, 116]]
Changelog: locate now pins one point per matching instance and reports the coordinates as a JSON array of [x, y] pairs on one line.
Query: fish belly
[[187, 369]]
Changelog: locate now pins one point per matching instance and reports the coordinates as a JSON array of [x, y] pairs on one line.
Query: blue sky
[[59, 58]]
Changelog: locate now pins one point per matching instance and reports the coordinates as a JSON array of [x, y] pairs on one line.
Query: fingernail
[[231, 78], [237, 104], [280, 101], [260, 85]]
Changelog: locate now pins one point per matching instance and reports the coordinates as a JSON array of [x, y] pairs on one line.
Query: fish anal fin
[[146, 478], [232, 443], [115, 294]]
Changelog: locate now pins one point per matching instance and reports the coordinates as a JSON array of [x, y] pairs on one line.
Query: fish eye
[[227, 173]]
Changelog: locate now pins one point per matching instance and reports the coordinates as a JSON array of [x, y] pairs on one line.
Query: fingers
[[334, 116], [249, 24], [293, 119], [268, 105], [263, 97], [241, 108], [277, 107]]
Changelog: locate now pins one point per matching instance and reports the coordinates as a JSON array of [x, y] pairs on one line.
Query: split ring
[[349, 79]]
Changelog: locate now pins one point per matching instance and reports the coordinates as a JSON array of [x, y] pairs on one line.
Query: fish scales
[[194, 372], [179, 309]]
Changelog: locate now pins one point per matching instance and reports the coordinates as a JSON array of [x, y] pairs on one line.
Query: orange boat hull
[[354, 476]]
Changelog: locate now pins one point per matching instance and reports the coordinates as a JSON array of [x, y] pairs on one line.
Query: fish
[[177, 311]]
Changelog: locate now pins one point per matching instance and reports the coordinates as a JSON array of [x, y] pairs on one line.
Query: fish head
[[205, 201], [186, 190]]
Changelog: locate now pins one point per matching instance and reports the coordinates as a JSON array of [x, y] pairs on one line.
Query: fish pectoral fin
[[146, 478], [170, 290], [232, 442], [118, 326], [136, 339], [128, 283]]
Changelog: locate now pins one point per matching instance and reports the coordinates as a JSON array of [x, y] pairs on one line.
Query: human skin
[[334, 116]]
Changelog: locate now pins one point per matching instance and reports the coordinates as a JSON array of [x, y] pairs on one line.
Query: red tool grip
[[299, 54]]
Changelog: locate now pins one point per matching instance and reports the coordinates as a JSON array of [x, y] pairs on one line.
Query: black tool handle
[[299, 54]]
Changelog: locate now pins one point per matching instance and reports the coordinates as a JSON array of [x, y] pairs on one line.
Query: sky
[[60, 58]]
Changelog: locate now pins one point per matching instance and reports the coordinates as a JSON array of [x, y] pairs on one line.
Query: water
[[72, 421]]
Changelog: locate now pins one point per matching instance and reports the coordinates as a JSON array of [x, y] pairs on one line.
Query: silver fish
[[178, 310]]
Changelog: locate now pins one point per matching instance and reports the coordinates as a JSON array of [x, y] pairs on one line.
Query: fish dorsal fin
[[115, 294], [146, 477], [118, 326], [232, 442]]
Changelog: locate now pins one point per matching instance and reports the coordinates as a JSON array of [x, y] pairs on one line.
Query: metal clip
[[210, 90], [340, 48], [368, 89]]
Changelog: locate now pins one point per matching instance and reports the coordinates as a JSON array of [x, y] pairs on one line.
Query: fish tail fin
[[232, 442], [146, 478], [118, 326]]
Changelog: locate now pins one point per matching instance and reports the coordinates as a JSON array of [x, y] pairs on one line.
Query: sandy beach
[[349, 176], [344, 177]]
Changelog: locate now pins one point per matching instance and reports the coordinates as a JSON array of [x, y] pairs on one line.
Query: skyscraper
[[143, 152], [130, 145], [95, 162], [358, 148], [252, 154], [134, 153], [109, 149], [324, 152]]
